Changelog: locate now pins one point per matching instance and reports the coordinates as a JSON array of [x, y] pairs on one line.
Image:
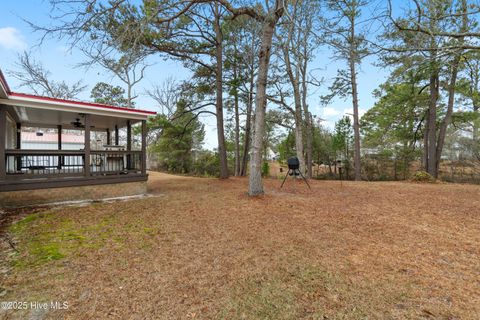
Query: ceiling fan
[[77, 124]]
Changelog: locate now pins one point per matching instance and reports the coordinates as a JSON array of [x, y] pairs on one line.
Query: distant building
[[49, 141]]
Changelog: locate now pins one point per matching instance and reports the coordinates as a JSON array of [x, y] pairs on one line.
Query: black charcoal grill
[[293, 163], [294, 170]]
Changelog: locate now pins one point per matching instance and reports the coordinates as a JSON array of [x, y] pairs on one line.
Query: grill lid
[[293, 163]]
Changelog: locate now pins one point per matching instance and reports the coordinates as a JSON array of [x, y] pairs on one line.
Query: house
[[84, 148], [49, 140]]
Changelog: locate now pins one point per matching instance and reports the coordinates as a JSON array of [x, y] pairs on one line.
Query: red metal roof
[[81, 103]]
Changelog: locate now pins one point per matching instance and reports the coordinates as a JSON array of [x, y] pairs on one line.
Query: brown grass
[[203, 249]]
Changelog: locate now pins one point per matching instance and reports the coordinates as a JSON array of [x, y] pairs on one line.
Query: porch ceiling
[[52, 118], [35, 110], [31, 109]]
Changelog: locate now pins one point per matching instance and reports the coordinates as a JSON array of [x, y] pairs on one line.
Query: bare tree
[[297, 40], [250, 44], [269, 21], [233, 64], [167, 95], [255, 186], [222, 150], [129, 67], [33, 75], [289, 48], [349, 44], [113, 44], [241, 45]]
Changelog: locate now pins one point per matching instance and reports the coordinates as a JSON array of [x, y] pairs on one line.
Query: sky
[[56, 56]]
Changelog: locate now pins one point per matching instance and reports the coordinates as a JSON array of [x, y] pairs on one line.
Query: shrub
[[422, 176], [207, 164], [265, 169]]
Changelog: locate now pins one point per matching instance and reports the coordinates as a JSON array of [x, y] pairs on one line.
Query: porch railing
[[52, 163], [112, 162]]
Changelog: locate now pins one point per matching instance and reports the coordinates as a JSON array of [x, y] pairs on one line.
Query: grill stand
[[294, 173]]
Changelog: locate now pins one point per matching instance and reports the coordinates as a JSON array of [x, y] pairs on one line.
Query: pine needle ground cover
[[202, 249]]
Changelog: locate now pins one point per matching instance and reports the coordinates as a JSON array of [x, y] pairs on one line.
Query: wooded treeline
[[252, 68]]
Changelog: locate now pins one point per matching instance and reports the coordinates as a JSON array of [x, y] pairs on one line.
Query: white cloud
[[12, 39], [349, 112], [65, 50], [328, 124], [330, 112]]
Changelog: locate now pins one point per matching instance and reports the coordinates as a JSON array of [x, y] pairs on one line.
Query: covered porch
[[48, 143]]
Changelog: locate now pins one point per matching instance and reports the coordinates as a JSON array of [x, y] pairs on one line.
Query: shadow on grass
[[311, 292]]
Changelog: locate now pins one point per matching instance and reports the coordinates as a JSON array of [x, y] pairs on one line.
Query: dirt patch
[[206, 250]]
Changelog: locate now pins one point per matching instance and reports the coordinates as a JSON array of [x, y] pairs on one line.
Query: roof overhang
[[38, 110], [45, 103], [4, 89]]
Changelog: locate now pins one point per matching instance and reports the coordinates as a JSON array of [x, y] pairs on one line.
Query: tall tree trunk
[[356, 122], [237, 123], [293, 72], [255, 184], [425, 143], [475, 133], [222, 152], [299, 131], [476, 106], [308, 119], [308, 115], [129, 90], [432, 125], [308, 133], [434, 94], [129, 96], [451, 91], [248, 124], [475, 102], [448, 116], [298, 105]]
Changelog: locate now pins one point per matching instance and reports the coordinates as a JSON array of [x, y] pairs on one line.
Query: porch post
[[19, 136], [19, 145], [109, 138], [86, 163], [3, 133], [129, 144], [116, 135], [129, 135], [144, 147], [59, 139]]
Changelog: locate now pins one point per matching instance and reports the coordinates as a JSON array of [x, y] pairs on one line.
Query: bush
[[422, 176], [207, 164], [265, 169]]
